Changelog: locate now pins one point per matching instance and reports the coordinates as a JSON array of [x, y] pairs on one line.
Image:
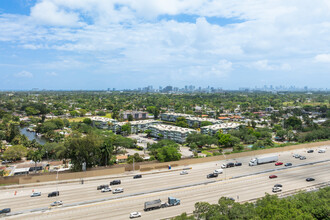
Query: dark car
[[238, 164], [230, 165], [55, 193], [3, 211], [310, 179], [278, 185], [137, 176], [115, 182], [310, 151], [288, 164], [272, 176], [212, 175], [102, 187]]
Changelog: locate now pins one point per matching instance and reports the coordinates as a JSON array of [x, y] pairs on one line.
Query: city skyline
[[91, 45]]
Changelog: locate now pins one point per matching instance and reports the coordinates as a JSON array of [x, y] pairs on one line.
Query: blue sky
[[74, 44]]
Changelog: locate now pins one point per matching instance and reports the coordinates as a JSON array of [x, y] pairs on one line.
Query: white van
[[218, 171], [321, 151]]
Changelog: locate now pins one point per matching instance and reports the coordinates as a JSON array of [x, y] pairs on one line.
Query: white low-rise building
[[191, 120], [102, 123], [224, 127], [136, 126], [171, 116], [174, 133]]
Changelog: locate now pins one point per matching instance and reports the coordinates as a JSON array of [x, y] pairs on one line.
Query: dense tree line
[[311, 205]]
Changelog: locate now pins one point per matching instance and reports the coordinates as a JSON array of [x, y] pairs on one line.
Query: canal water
[[32, 136]]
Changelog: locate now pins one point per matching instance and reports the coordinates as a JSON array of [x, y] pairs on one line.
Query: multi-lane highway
[[164, 184]]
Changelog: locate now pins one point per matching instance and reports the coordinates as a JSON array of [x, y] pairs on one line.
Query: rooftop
[[221, 126], [171, 128]]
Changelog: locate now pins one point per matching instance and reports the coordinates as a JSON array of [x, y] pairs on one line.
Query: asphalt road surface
[[164, 184]]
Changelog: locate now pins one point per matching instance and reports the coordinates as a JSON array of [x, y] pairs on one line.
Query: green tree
[[227, 140], [36, 156], [136, 157], [148, 132], [83, 150], [130, 118], [293, 122], [206, 123], [126, 129], [167, 153], [181, 122], [87, 121], [15, 152]]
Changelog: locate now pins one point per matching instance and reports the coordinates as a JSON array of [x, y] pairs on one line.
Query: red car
[[278, 163], [272, 176]]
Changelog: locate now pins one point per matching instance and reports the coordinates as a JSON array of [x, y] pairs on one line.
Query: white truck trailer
[[262, 160]]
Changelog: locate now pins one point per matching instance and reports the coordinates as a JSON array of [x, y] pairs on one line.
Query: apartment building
[[135, 114], [174, 133], [225, 127], [191, 120], [102, 123], [171, 116], [196, 121], [136, 126]]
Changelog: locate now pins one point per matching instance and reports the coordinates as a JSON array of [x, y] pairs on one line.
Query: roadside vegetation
[[304, 205]]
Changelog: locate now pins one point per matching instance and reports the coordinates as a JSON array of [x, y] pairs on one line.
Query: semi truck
[[262, 160], [157, 204]]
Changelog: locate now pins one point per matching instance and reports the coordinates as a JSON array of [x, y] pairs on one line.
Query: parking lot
[[142, 140]]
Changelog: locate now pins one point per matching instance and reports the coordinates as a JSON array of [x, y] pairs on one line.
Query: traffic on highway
[[274, 173]]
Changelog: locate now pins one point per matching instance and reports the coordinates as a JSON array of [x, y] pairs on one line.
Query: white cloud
[[263, 65], [48, 13], [24, 74], [322, 58], [125, 35]]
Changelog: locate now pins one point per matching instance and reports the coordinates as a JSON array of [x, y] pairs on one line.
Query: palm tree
[[107, 149], [36, 156]]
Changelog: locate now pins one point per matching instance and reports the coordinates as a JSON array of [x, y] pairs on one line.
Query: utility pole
[[57, 181]]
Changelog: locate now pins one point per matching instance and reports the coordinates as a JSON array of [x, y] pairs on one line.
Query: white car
[[218, 171], [277, 189], [135, 215], [118, 190], [36, 194], [56, 203], [183, 172], [223, 165], [321, 151], [107, 189]]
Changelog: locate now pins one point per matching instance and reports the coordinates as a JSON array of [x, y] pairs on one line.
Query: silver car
[[56, 203], [35, 194], [107, 189], [118, 190]]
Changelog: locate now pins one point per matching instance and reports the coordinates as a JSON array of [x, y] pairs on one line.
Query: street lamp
[[226, 162], [57, 180]]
